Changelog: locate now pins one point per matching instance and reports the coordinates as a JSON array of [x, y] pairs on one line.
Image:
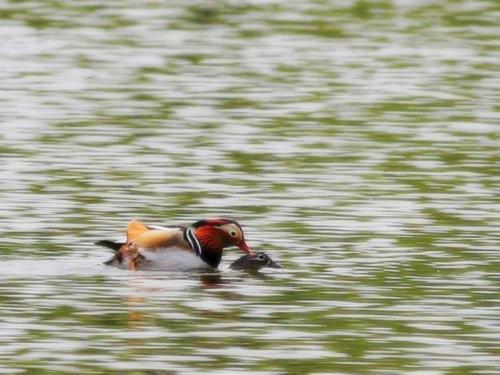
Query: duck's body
[[171, 260], [184, 248]]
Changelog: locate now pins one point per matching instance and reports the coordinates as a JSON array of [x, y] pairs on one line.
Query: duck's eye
[[261, 257], [232, 233]]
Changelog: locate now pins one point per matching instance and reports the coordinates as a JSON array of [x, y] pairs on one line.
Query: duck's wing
[[155, 237], [142, 241], [161, 239], [166, 227], [135, 229]]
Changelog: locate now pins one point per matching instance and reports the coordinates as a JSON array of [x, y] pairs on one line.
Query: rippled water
[[357, 142]]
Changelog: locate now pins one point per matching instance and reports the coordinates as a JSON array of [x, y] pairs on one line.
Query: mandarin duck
[[184, 248], [254, 262]]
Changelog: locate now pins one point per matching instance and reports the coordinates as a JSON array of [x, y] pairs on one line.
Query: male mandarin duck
[[197, 246]]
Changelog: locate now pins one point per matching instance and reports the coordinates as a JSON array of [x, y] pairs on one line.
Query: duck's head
[[254, 261], [220, 233]]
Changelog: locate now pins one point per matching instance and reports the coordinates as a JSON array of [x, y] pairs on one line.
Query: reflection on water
[[356, 141]]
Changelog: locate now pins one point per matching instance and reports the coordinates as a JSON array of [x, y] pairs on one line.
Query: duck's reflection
[[212, 280], [144, 288]]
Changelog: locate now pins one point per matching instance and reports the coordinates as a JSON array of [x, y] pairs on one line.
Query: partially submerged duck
[[184, 248], [254, 262]]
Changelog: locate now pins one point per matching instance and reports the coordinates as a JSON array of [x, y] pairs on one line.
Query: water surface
[[357, 143]]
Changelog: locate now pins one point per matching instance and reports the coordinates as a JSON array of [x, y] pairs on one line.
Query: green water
[[356, 142]]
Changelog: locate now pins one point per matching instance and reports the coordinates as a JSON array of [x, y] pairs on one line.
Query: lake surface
[[357, 143]]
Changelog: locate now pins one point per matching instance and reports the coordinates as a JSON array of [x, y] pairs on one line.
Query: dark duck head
[[209, 237], [254, 261]]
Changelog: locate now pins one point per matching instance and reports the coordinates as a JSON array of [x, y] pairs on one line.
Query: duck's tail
[[110, 244], [134, 229], [116, 259]]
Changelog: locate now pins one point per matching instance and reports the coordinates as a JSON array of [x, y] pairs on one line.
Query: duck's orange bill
[[244, 247]]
